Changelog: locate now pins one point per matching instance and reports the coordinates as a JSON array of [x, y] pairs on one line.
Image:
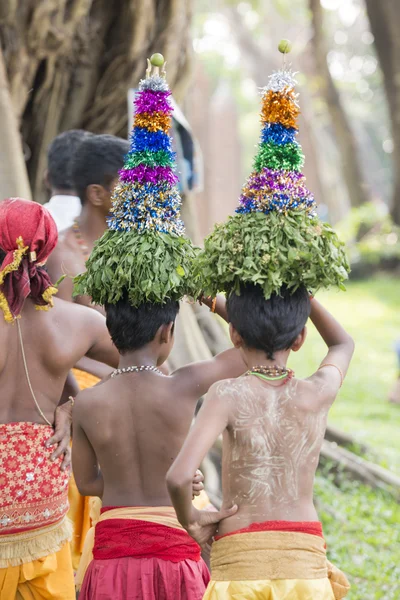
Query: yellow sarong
[[79, 505], [273, 565], [47, 578]]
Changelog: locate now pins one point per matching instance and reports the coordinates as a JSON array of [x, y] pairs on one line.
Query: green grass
[[362, 526], [370, 312]]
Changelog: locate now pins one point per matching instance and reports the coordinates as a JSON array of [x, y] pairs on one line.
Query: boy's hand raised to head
[[204, 524]]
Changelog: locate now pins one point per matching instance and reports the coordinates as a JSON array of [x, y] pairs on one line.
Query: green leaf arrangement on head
[[275, 238], [144, 251]]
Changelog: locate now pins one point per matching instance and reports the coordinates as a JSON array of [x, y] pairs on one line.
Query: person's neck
[[257, 358], [92, 225], [61, 192], [143, 357]]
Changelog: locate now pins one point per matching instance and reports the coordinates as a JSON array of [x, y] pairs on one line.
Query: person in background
[[64, 204], [394, 395]]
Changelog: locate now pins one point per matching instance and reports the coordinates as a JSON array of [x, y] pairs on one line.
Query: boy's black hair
[[132, 327], [59, 158], [97, 161], [268, 325]]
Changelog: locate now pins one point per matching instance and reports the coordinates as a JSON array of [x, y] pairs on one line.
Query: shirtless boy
[[37, 351], [142, 418], [273, 426]]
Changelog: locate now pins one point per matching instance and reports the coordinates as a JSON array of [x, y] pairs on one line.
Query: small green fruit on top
[[157, 60], [285, 46]]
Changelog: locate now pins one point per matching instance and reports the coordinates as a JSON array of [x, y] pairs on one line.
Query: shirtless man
[[273, 426], [141, 421], [36, 353], [94, 173]]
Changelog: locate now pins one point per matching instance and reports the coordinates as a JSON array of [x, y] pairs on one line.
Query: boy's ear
[[166, 332], [299, 341], [236, 338], [96, 194]]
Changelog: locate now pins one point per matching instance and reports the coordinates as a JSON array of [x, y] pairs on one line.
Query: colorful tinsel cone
[[144, 251], [275, 238]]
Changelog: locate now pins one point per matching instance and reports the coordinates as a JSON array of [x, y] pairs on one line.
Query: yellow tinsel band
[[156, 121], [47, 297], [280, 107], [8, 317], [18, 255]]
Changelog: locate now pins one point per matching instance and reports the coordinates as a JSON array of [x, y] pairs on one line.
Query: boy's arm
[[85, 467], [217, 305], [210, 422], [197, 378], [101, 347], [340, 344]]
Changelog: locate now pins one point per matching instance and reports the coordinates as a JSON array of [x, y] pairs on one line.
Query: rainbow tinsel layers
[[144, 254], [276, 184], [146, 197], [275, 237]]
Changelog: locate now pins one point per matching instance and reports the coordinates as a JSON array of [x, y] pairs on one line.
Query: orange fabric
[[79, 512], [48, 578]]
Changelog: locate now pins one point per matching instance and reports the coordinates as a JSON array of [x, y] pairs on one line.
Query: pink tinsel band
[[145, 174], [150, 101]]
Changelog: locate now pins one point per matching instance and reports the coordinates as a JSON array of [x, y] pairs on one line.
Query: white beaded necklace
[[135, 369]]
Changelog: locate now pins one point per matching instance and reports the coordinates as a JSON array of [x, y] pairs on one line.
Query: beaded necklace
[[272, 373], [135, 369]]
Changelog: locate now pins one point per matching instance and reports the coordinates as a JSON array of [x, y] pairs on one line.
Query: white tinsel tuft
[[280, 80], [155, 83]]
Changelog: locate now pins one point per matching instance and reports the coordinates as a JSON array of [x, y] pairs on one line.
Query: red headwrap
[[28, 235]]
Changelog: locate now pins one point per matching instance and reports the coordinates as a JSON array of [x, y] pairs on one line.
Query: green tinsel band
[[160, 158], [288, 157], [150, 266], [271, 250]]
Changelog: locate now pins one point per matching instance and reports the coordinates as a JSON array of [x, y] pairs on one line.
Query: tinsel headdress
[[275, 238], [144, 251]]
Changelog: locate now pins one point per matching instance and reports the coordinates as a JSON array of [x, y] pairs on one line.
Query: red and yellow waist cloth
[[275, 560], [144, 549], [35, 560], [34, 495]]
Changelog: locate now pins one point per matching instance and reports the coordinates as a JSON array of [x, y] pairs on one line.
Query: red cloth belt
[[119, 538], [311, 527]]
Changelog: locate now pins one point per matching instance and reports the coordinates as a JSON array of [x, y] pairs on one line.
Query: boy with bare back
[[265, 258], [273, 425], [139, 270]]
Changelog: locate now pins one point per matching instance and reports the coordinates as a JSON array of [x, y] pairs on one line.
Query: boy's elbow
[[175, 480]]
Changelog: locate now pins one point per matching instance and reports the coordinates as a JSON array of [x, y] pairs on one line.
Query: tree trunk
[[70, 63], [13, 175], [384, 17], [351, 168]]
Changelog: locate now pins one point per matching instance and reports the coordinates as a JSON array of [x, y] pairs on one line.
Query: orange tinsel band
[[280, 107], [157, 121]]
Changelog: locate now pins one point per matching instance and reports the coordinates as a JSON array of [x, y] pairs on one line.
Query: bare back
[[54, 341], [271, 449], [136, 425]]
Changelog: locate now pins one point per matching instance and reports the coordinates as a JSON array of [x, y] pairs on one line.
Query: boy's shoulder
[[227, 387], [314, 392], [89, 399]]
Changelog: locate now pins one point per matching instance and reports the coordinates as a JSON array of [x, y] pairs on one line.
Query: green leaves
[[271, 250], [150, 266]]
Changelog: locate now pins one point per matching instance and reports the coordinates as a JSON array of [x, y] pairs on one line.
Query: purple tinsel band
[[144, 174], [290, 182], [268, 188], [148, 101]]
